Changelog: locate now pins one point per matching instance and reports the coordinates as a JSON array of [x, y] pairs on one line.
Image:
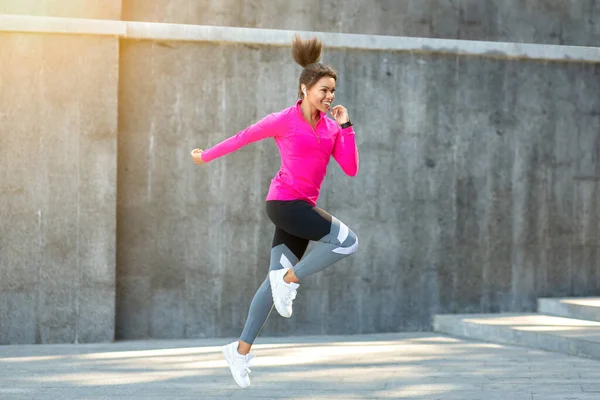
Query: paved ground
[[422, 366]]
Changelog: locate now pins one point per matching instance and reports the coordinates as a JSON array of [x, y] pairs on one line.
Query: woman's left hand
[[340, 114], [197, 156]]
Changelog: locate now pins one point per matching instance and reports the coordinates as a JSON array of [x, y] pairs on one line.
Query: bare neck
[[310, 113]]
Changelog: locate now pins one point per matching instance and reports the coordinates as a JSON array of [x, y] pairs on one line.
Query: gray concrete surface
[[106, 9], [530, 21], [587, 308], [477, 191], [418, 366], [223, 35], [169, 32], [58, 142], [13, 23], [570, 336]]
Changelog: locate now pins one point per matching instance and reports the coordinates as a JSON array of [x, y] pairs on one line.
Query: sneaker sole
[[228, 354], [272, 276]]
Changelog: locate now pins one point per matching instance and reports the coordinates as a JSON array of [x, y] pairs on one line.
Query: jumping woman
[[306, 138]]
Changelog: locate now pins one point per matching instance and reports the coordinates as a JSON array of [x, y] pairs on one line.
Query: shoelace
[[246, 370], [291, 295]]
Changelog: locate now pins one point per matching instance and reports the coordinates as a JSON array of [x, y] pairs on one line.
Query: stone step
[[587, 308], [564, 335]]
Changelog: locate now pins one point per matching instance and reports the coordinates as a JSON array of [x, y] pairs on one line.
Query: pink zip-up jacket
[[304, 152]]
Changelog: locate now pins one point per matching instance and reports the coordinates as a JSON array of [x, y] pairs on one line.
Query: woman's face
[[321, 95]]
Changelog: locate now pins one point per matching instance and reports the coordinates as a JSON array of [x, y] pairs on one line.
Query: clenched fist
[[197, 156], [340, 114]]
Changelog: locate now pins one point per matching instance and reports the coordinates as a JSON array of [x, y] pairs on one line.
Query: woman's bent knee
[[347, 239]]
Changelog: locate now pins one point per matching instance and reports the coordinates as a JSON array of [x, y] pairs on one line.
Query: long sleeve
[[266, 127], [345, 151]]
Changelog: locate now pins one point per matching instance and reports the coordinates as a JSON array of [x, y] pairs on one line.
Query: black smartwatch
[[346, 124]]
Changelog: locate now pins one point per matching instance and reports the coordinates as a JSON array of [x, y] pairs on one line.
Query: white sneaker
[[238, 364], [283, 293]]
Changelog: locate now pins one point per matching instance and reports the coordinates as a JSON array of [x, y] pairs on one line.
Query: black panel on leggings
[[299, 218], [296, 244]]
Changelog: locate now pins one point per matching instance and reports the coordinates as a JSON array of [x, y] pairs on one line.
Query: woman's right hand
[[197, 156]]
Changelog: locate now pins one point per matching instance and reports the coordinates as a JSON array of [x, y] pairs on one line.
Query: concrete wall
[[477, 192], [478, 188], [105, 9], [58, 133], [193, 243], [532, 21]]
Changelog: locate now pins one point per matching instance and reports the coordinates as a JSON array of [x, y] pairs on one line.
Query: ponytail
[[307, 54]]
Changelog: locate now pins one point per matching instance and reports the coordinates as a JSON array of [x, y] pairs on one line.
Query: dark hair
[[307, 53]]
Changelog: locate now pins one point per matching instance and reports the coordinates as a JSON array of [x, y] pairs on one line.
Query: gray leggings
[[296, 223]]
